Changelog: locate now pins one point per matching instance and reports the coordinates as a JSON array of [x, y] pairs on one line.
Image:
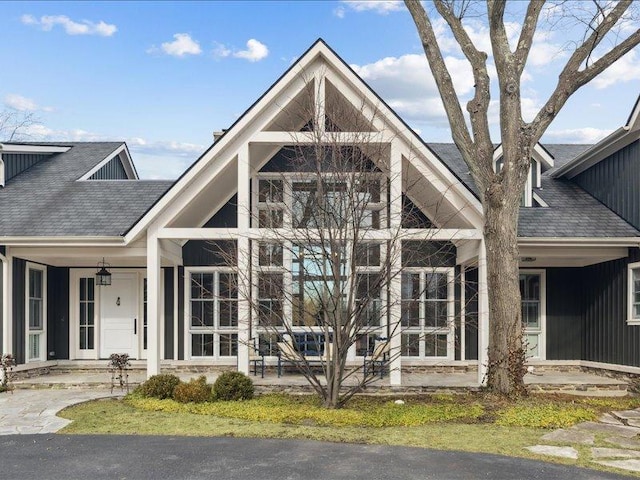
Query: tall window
[[314, 277], [427, 313], [36, 294], [87, 313], [532, 311], [368, 295], [214, 314], [633, 314]]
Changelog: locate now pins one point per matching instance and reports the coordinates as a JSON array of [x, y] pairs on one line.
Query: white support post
[[244, 260], [395, 254], [175, 310], [463, 313], [7, 304], [483, 315], [154, 296]]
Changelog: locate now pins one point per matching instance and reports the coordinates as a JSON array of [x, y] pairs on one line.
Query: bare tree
[[502, 190], [328, 254], [14, 124]]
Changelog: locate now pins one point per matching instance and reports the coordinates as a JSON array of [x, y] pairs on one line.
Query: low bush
[[307, 410], [233, 386], [194, 391], [159, 386], [544, 415]]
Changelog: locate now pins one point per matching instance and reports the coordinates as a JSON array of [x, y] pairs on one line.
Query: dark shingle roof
[[572, 212], [47, 199]]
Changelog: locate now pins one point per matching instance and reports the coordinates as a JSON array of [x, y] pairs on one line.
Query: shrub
[[544, 416], [159, 386], [196, 391], [233, 386]]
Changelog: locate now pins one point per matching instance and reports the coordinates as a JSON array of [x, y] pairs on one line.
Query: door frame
[[74, 313]]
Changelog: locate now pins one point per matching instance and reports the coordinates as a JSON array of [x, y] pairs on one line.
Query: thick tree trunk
[[506, 351]]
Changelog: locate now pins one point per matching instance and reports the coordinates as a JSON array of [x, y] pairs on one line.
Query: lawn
[[477, 423]]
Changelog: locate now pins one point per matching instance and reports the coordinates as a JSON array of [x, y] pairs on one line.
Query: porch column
[[7, 302], [154, 296], [483, 315], [244, 260], [395, 282]]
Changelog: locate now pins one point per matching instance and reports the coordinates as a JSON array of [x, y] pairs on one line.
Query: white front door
[[119, 315]]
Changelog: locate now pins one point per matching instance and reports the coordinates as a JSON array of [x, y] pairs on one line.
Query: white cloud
[[408, 87], [182, 45], [255, 51], [339, 12], [19, 102], [71, 27], [624, 70], [577, 135], [220, 51], [381, 7], [23, 104]]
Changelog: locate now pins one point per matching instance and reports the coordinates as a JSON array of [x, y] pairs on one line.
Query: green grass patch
[[308, 411]]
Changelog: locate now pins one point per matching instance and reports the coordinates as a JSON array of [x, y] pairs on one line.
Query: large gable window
[[633, 295]]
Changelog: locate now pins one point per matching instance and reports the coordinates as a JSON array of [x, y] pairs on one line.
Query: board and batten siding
[[1, 306], [16, 163], [19, 341], [57, 313], [112, 170], [168, 313], [608, 338], [615, 181], [565, 323]]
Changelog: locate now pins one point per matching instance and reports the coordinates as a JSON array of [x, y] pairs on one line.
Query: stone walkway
[[34, 411], [619, 430]]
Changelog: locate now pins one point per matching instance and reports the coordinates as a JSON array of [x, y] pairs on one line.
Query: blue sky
[[164, 75]]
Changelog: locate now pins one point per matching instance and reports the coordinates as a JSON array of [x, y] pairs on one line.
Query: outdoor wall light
[[103, 276]]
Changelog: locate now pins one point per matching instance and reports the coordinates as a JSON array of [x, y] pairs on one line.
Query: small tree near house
[[605, 31]]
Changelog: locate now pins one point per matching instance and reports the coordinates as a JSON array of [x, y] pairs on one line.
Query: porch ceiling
[[88, 257], [568, 256], [535, 256]]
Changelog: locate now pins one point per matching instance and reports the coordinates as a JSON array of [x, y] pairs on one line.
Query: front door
[[119, 316]]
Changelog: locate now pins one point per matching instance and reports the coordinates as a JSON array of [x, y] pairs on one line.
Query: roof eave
[[594, 154], [78, 241], [580, 241]]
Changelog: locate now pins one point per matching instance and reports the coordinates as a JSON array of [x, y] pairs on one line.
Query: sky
[[163, 76]]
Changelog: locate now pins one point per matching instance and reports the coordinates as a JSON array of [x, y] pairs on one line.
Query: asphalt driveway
[[144, 457]]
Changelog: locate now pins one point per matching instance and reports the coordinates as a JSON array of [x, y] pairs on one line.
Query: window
[[36, 313], [87, 313], [633, 315], [313, 282], [427, 313], [213, 305], [270, 203], [533, 316]]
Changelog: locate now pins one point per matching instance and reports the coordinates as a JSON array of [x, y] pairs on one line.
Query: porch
[[570, 379]]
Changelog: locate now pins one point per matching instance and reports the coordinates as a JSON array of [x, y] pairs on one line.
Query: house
[[71, 209]]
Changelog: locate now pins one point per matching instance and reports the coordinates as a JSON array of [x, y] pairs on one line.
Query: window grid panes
[[214, 314], [635, 293], [87, 313], [426, 314], [530, 292], [35, 300]]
